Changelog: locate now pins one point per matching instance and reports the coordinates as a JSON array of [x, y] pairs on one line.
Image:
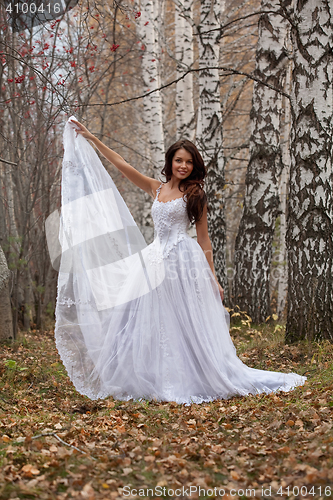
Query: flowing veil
[[104, 263]]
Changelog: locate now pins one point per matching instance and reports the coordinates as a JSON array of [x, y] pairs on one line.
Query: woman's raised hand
[[81, 129]]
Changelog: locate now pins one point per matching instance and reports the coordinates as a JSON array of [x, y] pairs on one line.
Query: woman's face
[[182, 164]]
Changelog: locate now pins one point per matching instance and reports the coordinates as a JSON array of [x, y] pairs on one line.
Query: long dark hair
[[193, 185]]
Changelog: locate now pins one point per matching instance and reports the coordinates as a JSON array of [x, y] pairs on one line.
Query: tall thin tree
[[282, 268], [147, 27], [185, 116], [209, 130], [310, 210], [253, 248]]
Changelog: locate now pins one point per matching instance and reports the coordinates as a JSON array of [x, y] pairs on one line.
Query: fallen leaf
[[209, 463], [284, 449], [10, 449], [162, 483], [120, 428], [88, 492], [217, 448], [29, 470]]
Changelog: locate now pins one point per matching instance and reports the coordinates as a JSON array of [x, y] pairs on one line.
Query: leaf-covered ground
[[265, 446]]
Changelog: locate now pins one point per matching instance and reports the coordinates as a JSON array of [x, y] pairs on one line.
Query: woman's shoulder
[[155, 187]]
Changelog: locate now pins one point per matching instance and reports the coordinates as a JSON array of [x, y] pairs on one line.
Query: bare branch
[[8, 162], [258, 13], [63, 442], [232, 71]]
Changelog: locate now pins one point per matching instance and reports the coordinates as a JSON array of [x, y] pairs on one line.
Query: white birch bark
[[153, 114], [147, 26], [185, 117], [10, 205], [282, 285], [253, 247], [3, 230], [209, 129], [310, 208]]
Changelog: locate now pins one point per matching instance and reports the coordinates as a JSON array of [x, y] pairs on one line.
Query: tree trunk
[[2, 206], [151, 80], [253, 247], [6, 323], [209, 129], [282, 285], [11, 207], [184, 53], [310, 209], [152, 104]]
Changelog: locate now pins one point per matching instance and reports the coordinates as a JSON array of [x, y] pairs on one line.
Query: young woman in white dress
[[170, 341]]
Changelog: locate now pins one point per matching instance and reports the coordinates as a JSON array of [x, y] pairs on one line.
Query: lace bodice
[[171, 222]]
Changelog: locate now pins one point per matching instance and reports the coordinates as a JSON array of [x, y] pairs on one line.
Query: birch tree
[[253, 248], [209, 129], [282, 267], [310, 210], [185, 116], [147, 25], [151, 80]]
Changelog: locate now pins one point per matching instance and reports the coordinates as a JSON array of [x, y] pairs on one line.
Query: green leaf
[[11, 364]]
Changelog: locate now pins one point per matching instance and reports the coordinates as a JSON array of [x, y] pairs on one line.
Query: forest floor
[[265, 446]]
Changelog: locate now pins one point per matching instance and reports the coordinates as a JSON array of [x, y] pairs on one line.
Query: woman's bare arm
[[205, 243], [144, 182]]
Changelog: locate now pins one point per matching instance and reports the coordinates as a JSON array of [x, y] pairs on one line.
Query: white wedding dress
[[136, 320]]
